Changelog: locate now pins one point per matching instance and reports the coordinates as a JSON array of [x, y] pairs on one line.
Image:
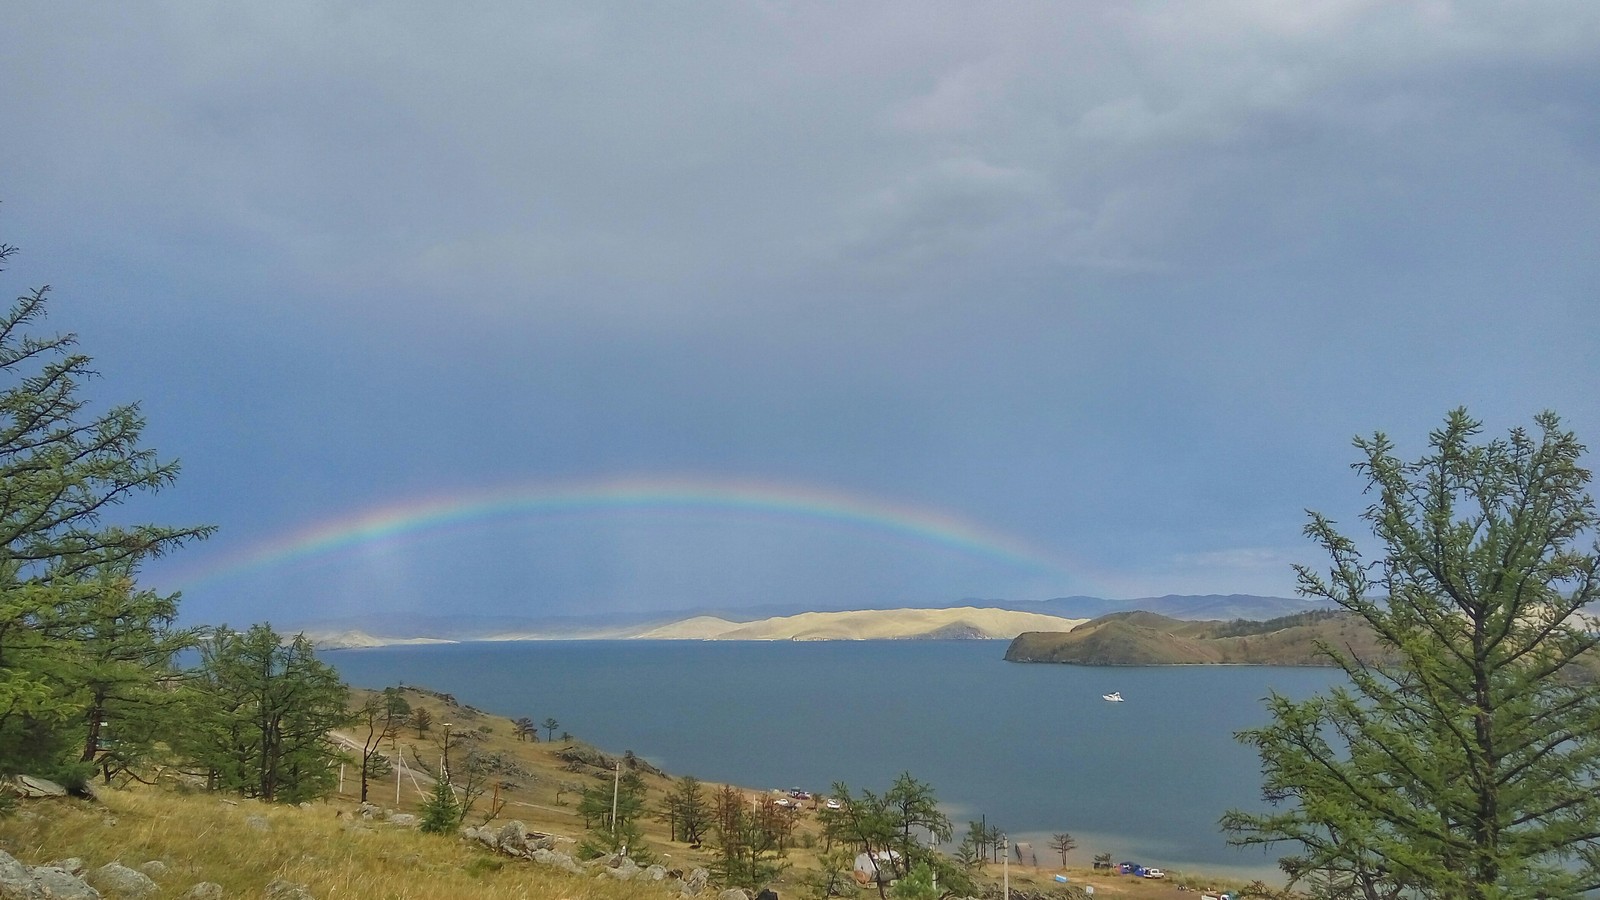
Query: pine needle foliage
[[1469, 768], [68, 664]]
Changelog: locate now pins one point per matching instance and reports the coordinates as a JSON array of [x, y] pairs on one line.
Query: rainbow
[[782, 502]]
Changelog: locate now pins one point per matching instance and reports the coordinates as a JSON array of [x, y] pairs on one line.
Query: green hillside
[[1148, 639]]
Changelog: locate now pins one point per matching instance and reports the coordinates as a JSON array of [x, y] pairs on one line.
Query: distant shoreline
[[955, 623]]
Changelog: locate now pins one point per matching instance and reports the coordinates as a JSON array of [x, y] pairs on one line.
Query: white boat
[[1114, 696]]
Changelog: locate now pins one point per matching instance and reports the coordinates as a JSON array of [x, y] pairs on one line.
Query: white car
[[1154, 873], [833, 803]]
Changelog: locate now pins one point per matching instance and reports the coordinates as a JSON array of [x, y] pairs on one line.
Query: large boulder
[[118, 880], [557, 860], [622, 869], [484, 836], [31, 787], [59, 884], [16, 882], [733, 894], [517, 840], [692, 885]]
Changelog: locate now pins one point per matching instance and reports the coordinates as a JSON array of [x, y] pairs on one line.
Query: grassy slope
[[205, 837], [1146, 639]]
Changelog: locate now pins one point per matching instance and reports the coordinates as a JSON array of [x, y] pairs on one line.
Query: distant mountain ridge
[[1148, 639]]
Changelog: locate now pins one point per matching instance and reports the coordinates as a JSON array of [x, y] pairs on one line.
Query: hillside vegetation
[[246, 845], [333, 850], [1147, 639]]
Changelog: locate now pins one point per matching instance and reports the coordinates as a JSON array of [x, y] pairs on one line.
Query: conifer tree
[[1468, 768], [686, 810], [63, 470], [441, 811], [894, 828], [260, 714], [747, 843], [124, 653], [614, 834]]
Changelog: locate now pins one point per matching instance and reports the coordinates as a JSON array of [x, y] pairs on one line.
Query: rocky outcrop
[[556, 860], [577, 756], [16, 882], [65, 879], [59, 883], [690, 886], [621, 868], [512, 839], [368, 812]]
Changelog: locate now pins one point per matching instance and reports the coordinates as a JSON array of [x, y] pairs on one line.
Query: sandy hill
[[1147, 639], [867, 625], [352, 639], [698, 628]]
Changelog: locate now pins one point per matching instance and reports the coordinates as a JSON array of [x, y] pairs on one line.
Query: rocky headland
[[1147, 639]]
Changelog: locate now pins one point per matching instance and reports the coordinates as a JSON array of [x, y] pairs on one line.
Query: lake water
[[1032, 747]]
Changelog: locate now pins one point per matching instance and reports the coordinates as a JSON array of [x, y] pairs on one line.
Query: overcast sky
[[906, 302]]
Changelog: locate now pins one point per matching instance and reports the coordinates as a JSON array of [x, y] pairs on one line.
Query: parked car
[[1154, 872], [833, 803]]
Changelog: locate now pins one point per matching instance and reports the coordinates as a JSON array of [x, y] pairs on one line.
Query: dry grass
[[203, 838], [328, 847]]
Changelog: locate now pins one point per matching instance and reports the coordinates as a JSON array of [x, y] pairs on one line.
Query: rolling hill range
[[866, 625], [1148, 639], [712, 623], [960, 623]]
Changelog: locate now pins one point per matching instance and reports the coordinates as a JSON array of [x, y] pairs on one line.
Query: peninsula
[[1147, 639]]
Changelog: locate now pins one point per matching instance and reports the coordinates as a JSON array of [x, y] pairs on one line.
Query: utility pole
[[616, 785], [1005, 866]]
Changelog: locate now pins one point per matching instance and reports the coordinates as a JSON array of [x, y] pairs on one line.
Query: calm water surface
[[1032, 747]]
